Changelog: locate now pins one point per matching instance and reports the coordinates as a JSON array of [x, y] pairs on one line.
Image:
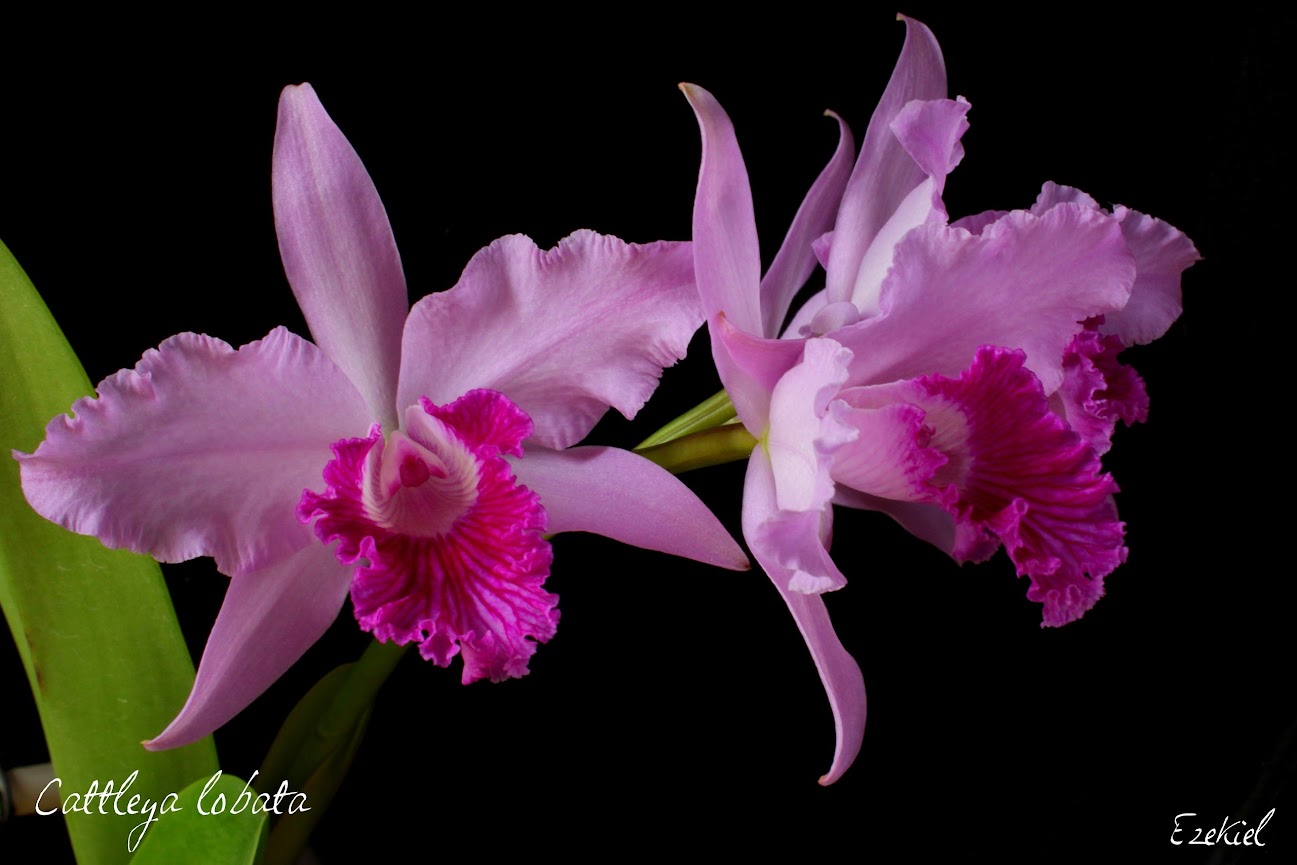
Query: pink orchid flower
[[202, 449], [961, 378]]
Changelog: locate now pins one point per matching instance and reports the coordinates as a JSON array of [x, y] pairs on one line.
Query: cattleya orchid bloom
[[202, 449], [960, 377]]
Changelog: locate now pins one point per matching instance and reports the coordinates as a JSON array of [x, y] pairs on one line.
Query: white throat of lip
[[420, 483]]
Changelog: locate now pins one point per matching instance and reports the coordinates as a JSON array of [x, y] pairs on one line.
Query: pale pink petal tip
[[447, 545]]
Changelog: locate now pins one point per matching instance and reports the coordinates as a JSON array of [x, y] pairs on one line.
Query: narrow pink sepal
[[843, 683], [796, 258], [338, 250], [564, 333], [884, 173], [267, 622], [200, 450], [621, 495], [727, 256]]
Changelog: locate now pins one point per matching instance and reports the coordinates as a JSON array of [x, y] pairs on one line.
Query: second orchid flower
[[961, 378]]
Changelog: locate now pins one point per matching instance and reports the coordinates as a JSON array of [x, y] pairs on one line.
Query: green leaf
[[299, 727], [318, 742], [292, 831], [219, 820], [95, 627]]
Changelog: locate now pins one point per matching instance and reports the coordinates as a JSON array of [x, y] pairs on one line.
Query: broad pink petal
[[446, 545], [750, 367], [884, 173], [1162, 253], [564, 333], [338, 249], [1024, 282], [200, 450], [843, 683], [727, 256], [269, 619], [796, 259], [621, 495]]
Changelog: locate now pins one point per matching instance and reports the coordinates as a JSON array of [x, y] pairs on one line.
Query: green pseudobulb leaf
[[312, 753], [95, 627], [214, 821]]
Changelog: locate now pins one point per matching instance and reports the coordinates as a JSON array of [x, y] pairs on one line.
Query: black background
[[677, 707]]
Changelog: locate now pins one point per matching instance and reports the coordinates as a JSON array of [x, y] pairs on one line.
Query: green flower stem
[[353, 699], [317, 743], [288, 839], [709, 413], [710, 447]]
